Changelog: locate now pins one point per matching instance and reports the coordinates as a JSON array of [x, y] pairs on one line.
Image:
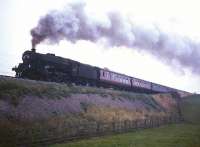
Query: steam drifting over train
[[75, 22]]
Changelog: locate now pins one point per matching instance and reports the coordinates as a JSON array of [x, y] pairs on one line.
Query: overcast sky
[[179, 17]]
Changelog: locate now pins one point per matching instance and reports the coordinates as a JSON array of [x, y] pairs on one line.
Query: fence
[[42, 136]]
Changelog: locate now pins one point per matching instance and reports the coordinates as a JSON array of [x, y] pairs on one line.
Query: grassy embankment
[[180, 135], [13, 92], [22, 103], [13, 89]]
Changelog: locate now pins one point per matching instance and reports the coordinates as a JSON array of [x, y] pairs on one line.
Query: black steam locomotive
[[48, 67]]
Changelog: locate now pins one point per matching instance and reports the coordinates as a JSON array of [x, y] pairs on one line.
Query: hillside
[[49, 107], [186, 134], [32, 100]]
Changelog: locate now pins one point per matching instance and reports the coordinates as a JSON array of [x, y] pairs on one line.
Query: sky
[[179, 17]]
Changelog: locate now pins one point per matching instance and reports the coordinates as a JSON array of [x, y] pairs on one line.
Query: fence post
[[149, 123], [125, 125], [136, 124], [152, 122], [132, 125], [119, 126], [167, 120], [159, 122], [162, 120], [157, 119], [145, 123], [98, 128], [113, 127], [170, 119], [129, 125]]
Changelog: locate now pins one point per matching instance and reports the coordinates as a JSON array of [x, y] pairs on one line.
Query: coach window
[[116, 78], [107, 74], [119, 79], [101, 73], [127, 81], [123, 80], [104, 74], [138, 83], [112, 76]]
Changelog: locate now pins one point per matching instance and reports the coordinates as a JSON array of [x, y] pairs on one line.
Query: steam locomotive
[[48, 67]]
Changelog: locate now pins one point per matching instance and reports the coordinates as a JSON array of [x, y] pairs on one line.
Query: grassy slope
[[13, 91], [181, 135], [16, 88]]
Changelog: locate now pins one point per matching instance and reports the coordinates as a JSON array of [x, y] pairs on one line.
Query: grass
[[181, 135], [190, 108], [13, 89]]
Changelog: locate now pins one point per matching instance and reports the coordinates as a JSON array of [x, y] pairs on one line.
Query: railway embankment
[[36, 110]]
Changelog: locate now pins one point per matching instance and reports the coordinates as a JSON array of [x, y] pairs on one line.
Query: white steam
[[75, 23]]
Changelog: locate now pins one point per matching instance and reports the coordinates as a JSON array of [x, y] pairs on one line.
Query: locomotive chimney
[[33, 50], [33, 42]]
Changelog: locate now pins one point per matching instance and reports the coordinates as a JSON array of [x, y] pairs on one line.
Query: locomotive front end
[[26, 69]]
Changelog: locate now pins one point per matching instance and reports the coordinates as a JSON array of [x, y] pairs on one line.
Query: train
[[48, 67]]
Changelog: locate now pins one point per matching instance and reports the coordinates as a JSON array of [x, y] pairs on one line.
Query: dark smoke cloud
[[75, 23]]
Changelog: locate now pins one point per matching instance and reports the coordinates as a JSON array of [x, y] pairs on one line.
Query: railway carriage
[[116, 79]]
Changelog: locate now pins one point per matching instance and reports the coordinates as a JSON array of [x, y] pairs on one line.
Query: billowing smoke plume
[[75, 23]]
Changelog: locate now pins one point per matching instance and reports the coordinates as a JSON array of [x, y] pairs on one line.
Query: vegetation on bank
[[177, 135], [49, 107], [13, 89]]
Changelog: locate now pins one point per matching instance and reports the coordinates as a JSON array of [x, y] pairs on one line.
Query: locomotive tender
[[48, 67]]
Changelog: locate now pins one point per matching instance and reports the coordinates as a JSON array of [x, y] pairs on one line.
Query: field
[[179, 135]]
